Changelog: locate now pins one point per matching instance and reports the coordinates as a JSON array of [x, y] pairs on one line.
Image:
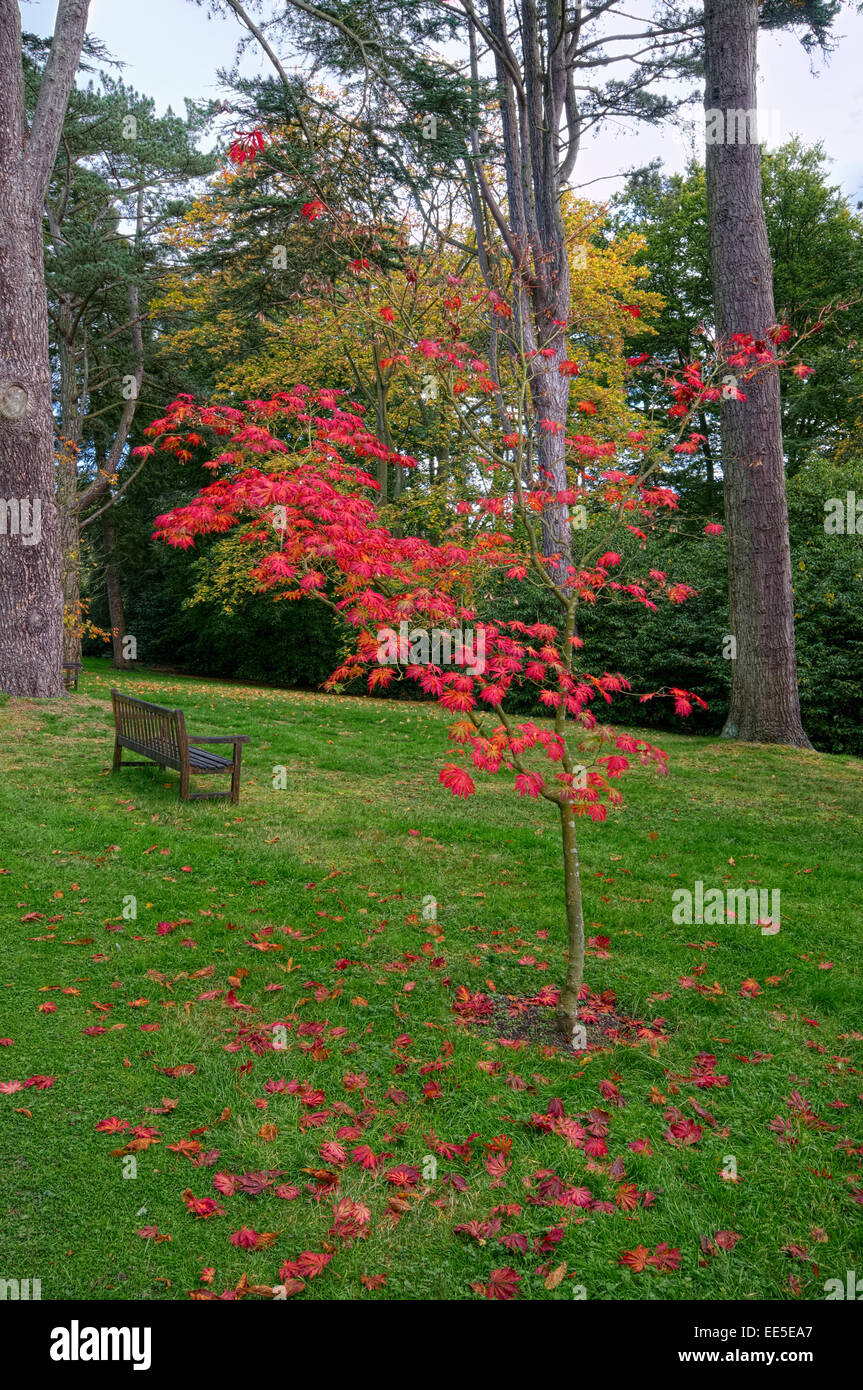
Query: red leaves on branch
[[458, 781], [247, 145], [292, 482]]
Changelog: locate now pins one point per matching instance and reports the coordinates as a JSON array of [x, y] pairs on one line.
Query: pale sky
[[173, 49]]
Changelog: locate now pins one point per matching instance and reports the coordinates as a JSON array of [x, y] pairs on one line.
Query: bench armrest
[[217, 738]]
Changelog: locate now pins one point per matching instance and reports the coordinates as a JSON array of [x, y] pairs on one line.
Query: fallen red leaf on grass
[[247, 1239], [502, 1284], [636, 1259], [664, 1258], [307, 1265], [726, 1240]]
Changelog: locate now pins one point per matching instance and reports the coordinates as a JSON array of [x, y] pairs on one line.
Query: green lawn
[[305, 907]]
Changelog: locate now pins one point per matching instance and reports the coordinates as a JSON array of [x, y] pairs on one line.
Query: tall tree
[[764, 706], [816, 243], [115, 189], [31, 610], [497, 99], [557, 72]]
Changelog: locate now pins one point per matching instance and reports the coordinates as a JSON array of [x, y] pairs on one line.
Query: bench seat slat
[[211, 762]]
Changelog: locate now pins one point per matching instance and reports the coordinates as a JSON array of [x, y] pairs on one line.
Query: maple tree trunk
[[765, 706], [567, 1008], [31, 603]]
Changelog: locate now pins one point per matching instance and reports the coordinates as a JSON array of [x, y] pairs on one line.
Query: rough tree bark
[[765, 706], [31, 604]]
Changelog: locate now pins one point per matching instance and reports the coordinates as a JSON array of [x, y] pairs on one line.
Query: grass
[[335, 877]]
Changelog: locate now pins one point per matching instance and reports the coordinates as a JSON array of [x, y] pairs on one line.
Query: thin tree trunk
[[536, 241], [567, 1008], [31, 603], [708, 458], [71, 411], [107, 474], [72, 505], [115, 598], [382, 426], [70, 552], [765, 705]]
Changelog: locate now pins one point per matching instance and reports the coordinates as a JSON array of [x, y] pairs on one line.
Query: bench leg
[[235, 773], [184, 782], [118, 756]]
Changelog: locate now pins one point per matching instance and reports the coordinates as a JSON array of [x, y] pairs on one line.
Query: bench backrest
[[150, 729]]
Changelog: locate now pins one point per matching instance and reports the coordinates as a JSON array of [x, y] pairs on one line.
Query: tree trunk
[[383, 433], [31, 603], [71, 504], [535, 238], [70, 554], [567, 1008], [765, 705], [71, 411], [115, 597]]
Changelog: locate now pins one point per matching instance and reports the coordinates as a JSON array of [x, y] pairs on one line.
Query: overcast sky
[[173, 49]]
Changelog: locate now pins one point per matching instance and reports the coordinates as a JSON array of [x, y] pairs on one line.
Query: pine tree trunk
[[31, 605], [765, 705], [31, 602]]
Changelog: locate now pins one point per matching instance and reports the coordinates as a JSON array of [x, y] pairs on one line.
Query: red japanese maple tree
[[291, 474]]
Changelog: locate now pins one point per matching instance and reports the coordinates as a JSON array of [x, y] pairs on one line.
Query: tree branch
[[57, 81]]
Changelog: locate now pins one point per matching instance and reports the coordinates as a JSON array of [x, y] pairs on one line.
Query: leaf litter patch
[[532, 1018]]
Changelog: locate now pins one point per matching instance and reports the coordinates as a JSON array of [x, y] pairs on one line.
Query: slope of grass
[[346, 910]]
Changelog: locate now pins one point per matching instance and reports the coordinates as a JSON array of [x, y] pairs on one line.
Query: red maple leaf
[[306, 1266], [403, 1176], [726, 1240], [202, 1207], [503, 1284], [364, 1156], [245, 1238], [664, 1258], [636, 1259]]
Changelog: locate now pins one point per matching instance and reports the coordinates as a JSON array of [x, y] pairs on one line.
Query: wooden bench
[[160, 735]]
